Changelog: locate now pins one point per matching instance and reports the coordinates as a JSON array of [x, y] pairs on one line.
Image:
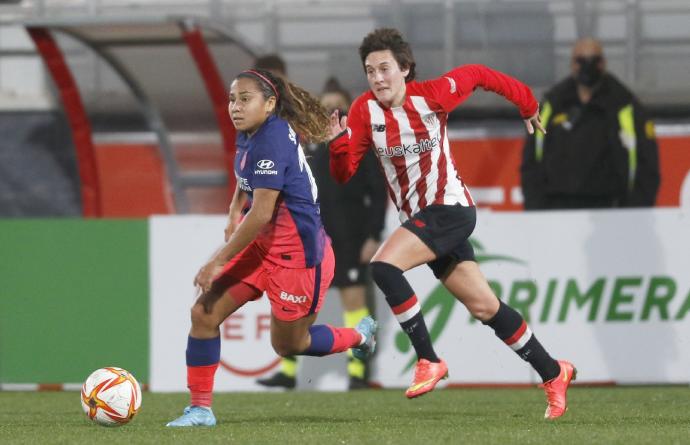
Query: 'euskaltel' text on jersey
[[411, 141], [273, 159]]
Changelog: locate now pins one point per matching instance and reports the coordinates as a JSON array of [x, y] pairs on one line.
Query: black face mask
[[589, 73]]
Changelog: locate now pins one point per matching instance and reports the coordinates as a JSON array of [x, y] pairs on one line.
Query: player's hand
[[369, 248], [337, 124], [534, 122], [204, 278]]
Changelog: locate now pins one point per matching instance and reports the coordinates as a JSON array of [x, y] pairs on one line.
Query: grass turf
[[634, 415]]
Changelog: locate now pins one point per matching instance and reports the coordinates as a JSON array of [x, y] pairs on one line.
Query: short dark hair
[[333, 86], [271, 62], [389, 38]]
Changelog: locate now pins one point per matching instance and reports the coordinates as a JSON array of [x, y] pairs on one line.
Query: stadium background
[[86, 293]]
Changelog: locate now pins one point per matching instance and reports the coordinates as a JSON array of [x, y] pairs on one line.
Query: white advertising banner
[[607, 290], [178, 247]]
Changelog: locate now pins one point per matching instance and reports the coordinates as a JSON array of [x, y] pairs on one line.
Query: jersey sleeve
[[270, 160], [349, 147], [454, 87]]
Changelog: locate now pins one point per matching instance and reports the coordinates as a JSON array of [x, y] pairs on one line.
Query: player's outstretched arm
[[454, 87]]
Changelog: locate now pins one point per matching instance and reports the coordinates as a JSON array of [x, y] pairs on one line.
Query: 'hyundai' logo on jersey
[[265, 164]]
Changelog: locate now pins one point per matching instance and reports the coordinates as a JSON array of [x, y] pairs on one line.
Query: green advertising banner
[[73, 298]]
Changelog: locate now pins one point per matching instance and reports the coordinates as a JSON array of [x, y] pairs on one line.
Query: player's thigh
[[404, 250], [214, 306], [467, 283], [298, 293], [242, 279]]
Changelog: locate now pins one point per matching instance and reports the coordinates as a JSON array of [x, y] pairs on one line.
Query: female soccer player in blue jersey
[[275, 242], [405, 123]]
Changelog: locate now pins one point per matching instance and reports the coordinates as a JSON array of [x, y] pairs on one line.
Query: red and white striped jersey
[[411, 141]]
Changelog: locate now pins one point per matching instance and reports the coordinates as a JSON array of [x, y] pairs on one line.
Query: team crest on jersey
[[431, 120]]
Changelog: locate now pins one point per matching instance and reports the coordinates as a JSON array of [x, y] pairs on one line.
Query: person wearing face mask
[[599, 150]]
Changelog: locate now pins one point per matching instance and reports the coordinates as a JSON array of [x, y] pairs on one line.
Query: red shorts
[[293, 293]]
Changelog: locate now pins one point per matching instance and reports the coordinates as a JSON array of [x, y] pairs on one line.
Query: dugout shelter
[[170, 77]]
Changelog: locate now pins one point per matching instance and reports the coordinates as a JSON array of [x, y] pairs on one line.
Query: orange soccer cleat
[[426, 375], [556, 390]]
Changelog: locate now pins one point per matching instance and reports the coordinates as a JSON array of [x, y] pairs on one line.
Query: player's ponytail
[[294, 104]]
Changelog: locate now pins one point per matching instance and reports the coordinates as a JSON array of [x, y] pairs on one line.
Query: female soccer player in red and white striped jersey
[[404, 122]]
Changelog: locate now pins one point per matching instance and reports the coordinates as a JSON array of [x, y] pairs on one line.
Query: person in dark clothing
[[599, 151], [353, 215], [273, 63]]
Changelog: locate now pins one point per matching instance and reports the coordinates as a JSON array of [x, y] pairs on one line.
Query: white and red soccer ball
[[111, 396]]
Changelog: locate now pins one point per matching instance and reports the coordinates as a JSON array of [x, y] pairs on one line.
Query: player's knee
[[201, 318], [384, 273], [284, 348], [483, 309]]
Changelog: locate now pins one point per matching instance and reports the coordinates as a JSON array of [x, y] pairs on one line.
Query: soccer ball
[[111, 396]]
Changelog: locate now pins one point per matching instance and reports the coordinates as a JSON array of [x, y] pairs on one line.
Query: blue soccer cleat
[[195, 416], [367, 328]]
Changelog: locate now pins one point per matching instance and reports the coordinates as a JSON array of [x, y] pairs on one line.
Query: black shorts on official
[[446, 229], [349, 271]]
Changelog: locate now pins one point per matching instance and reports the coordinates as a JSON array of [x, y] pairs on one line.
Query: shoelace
[[551, 394], [422, 368]]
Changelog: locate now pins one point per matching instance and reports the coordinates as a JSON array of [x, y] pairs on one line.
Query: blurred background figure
[[600, 149], [273, 63], [353, 215]]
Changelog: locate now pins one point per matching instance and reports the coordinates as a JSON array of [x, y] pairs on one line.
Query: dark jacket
[[354, 211], [599, 154]]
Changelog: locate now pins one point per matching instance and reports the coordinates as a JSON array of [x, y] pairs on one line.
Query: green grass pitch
[[634, 415]]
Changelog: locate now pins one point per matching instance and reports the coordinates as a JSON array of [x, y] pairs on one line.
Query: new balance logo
[[300, 299], [378, 127]]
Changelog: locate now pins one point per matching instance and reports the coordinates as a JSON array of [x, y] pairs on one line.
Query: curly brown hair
[[389, 38], [294, 104]]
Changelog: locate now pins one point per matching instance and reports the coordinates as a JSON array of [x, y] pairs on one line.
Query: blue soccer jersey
[[273, 159]]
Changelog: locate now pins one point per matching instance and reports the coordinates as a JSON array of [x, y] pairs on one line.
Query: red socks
[[200, 384], [344, 339]]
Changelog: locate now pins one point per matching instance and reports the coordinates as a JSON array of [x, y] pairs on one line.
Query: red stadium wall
[[494, 163], [134, 183]]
